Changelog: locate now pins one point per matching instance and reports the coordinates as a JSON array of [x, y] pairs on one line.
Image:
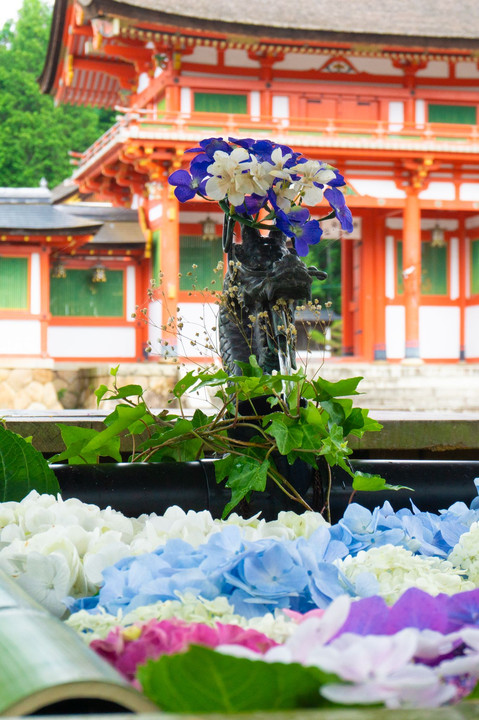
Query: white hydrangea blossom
[[389, 570], [465, 554], [79, 540], [188, 608]]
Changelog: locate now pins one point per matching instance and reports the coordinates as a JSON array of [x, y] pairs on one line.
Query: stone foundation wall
[[73, 386], [386, 386]]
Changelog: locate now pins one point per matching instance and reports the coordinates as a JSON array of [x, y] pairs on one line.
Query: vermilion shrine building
[[385, 91]]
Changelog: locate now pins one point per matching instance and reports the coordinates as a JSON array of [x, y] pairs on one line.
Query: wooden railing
[[300, 131]]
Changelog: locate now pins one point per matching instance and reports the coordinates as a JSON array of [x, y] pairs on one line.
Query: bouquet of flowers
[[262, 184]]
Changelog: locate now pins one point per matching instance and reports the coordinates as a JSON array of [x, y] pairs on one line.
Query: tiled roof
[[439, 19], [23, 218]]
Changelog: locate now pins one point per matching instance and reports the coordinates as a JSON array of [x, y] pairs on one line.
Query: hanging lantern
[[209, 229], [58, 270], [438, 238], [99, 274]]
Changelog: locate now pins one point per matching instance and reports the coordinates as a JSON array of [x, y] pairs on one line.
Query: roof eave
[[93, 8], [47, 78]]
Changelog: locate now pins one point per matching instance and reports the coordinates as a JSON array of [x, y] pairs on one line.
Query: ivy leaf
[[328, 390], [244, 474], [286, 431], [23, 468], [205, 681], [373, 483]]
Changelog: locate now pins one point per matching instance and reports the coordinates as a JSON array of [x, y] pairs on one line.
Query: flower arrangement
[[262, 184]]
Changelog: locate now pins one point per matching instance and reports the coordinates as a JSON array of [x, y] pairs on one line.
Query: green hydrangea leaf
[[205, 681], [23, 469]]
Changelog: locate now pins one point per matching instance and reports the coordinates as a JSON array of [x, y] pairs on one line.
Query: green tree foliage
[[326, 255], [36, 136]]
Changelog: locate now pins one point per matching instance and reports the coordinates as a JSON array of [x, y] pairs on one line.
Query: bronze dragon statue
[[264, 282]]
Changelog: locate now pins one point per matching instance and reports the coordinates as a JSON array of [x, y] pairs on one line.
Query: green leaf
[[127, 391], [354, 422], [23, 468], [185, 383], [199, 419], [205, 681], [251, 368], [244, 474], [286, 431], [372, 483], [100, 392], [327, 390], [76, 440], [124, 415], [114, 370]]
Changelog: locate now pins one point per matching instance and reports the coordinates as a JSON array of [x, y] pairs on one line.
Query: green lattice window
[[461, 114], [76, 295], [220, 103], [205, 254], [14, 283], [433, 269], [475, 267]]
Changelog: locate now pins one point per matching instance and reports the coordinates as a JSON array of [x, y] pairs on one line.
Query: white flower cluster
[[57, 548], [239, 173], [389, 570], [465, 554], [189, 608]]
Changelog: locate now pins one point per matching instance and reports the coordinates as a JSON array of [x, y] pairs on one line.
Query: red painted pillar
[[412, 270], [379, 301], [170, 263], [347, 295]]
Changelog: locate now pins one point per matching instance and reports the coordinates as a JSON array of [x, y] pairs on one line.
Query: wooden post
[[412, 271]]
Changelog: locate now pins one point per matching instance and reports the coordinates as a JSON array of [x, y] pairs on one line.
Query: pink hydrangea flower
[[127, 648]]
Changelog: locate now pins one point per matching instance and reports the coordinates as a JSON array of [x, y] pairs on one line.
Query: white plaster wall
[[280, 107], [454, 268], [130, 292], [377, 188], [20, 337], [197, 318], [420, 112], [439, 191], [185, 100], [395, 332], [203, 55], [396, 116], [466, 70], [436, 69], [390, 268], [35, 284], [439, 332], [91, 342], [239, 58], [469, 191], [255, 105], [472, 332], [154, 327]]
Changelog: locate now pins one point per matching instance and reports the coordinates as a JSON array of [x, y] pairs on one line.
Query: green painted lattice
[[475, 267], [76, 295], [459, 114], [14, 283], [205, 254], [433, 269], [220, 103]]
